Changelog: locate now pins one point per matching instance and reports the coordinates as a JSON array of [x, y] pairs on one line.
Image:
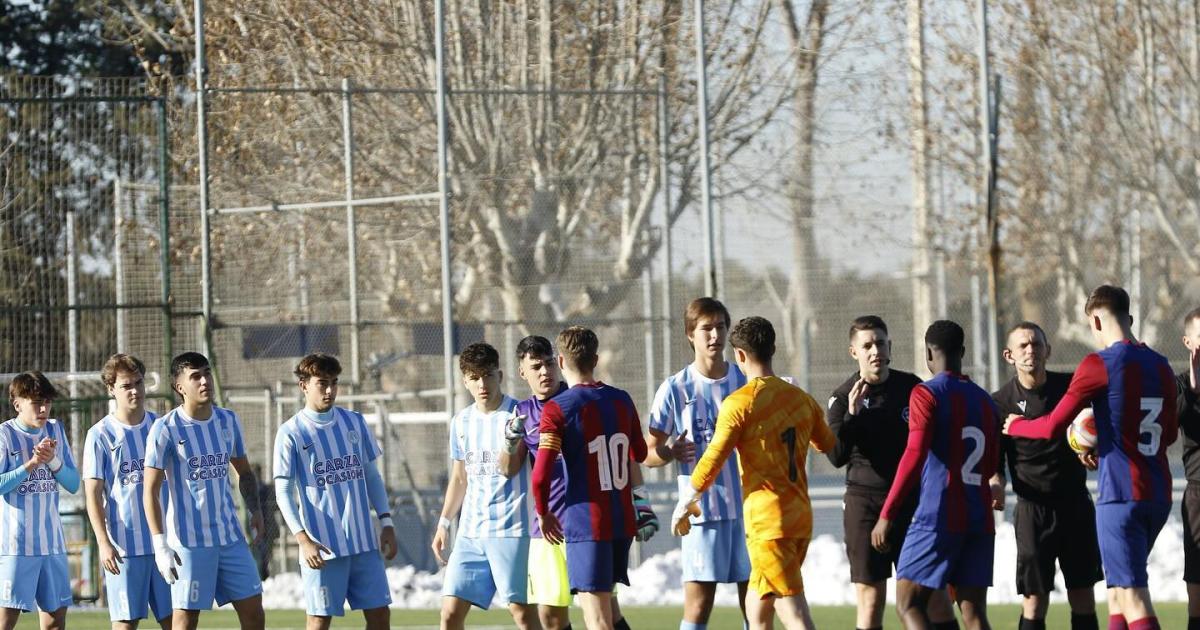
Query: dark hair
[[120, 363], [31, 385], [946, 336], [1112, 299], [1192, 315], [318, 364], [478, 359], [534, 346], [755, 336], [1027, 325], [579, 347], [187, 360], [867, 322], [703, 307]]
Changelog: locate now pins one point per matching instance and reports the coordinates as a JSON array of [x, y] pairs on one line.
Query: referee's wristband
[[386, 521], [444, 523]]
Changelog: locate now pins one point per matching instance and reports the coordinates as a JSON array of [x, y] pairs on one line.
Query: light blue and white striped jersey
[[495, 506], [195, 456], [29, 520], [326, 461], [688, 400], [115, 453]]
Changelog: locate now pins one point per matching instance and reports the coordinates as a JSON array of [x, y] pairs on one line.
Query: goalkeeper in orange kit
[[770, 422]]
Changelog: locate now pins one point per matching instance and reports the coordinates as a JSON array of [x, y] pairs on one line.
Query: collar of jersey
[[313, 417], [190, 420], [729, 367], [130, 427]]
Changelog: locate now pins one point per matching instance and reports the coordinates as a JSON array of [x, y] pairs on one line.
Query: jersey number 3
[[612, 460], [1149, 425]]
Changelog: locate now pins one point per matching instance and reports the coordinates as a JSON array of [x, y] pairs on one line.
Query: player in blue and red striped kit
[[1132, 393], [953, 450], [596, 428]]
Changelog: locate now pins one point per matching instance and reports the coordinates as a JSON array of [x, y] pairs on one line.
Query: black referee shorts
[[860, 512], [1191, 533], [1065, 532]]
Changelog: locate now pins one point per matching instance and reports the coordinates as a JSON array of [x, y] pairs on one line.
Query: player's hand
[[1012, 417], [387, 542], [1089, 460], [857, 396], [685, 508], [514, 433], [1194, 372], [311, 550], [879, 535], [439, 543], [110, 558], [996, 484], [647, 521], [257, 528], [166, 559], [44, 451], [683, 449], [551, 529]]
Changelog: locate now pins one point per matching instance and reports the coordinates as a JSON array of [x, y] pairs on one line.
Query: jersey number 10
[[612, 460]]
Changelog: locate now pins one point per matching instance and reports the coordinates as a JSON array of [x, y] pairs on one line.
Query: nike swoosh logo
[[306, 446], [688, 401], [14, 453], [116, 448], [181, 442]]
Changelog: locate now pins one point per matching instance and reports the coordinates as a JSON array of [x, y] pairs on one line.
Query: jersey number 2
[[612, 460], [975, 435]]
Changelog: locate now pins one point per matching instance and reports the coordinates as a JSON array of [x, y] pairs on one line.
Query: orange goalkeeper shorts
[[775, 566]]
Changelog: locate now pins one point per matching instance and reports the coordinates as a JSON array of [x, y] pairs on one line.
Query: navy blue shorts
[[597, 565], [1126, 532], [934, 559]]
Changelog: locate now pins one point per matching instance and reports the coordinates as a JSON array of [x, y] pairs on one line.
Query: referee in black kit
[[1054, 518], [869, 415], [1189, 426]]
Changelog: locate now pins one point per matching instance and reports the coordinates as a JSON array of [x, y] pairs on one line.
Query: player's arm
[[512, 458], [841, 423], [248, 488], [62, 464], [549, 446], [1169, 416], [93, 495], [1091, 378], [663, 449], [456, 491], [158, 451], [822, 437], [920, 436], [726, 435]]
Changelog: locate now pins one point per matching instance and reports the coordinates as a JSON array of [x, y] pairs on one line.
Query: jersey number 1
[[789, 440], [612, 460]]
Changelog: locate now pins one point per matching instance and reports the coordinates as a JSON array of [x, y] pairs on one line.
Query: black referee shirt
[[1041, 470], [1188, 406], [872, 441]]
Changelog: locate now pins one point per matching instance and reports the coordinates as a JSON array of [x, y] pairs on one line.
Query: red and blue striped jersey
[[1132, 393], [954, 441], [596, 427]]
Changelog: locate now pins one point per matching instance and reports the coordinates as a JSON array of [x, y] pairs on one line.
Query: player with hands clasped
[[201, 551], [36, 461], [1132, 392], [549, 586], [491, 551], [952, 453], [326, 456], [596, 429], [114, 457], [771, 423], [682, 423]]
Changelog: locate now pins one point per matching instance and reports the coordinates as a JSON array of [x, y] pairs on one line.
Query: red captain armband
[[550, 442]]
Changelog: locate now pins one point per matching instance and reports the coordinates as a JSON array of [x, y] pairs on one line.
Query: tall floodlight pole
[[988, 163], [202, 158], [710, 268], [439, 47]]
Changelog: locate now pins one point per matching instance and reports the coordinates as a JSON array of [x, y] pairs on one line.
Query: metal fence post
[[164, 228], [664, 168], [202, 165], [119, 264], [351, 229], [444, 204], [710, 273]]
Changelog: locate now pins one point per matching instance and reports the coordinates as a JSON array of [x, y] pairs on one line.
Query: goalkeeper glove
[[165, 558], [688, 505], [514, 433], [647, 522]]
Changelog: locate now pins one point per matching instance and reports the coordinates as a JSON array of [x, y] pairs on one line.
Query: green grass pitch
[[1173, 615]]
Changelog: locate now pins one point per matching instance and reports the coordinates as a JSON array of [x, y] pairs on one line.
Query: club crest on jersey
[[832, 399], [904, 415], [353, 437]]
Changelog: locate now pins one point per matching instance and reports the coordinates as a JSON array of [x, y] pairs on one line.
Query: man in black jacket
[[869, 415], [1188, 403]]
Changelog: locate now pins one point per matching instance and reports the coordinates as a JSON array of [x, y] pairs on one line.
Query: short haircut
[[478, 359], [31, 385], [1192, 316], [755, 336], [187, 361], [319, 365], [945, 335], [534, 346], [703, 307], [1112, 299], [118, 363], [1027, 325], [867, 322], [579, 347]]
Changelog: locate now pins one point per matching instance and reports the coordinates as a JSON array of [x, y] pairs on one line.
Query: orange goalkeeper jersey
[[771, 423]]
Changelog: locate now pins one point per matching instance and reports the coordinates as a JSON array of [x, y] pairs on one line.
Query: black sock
[[875, 628], [620, 625], [946, 625], [1031, 624], [1085, 621], [1193, 623]]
